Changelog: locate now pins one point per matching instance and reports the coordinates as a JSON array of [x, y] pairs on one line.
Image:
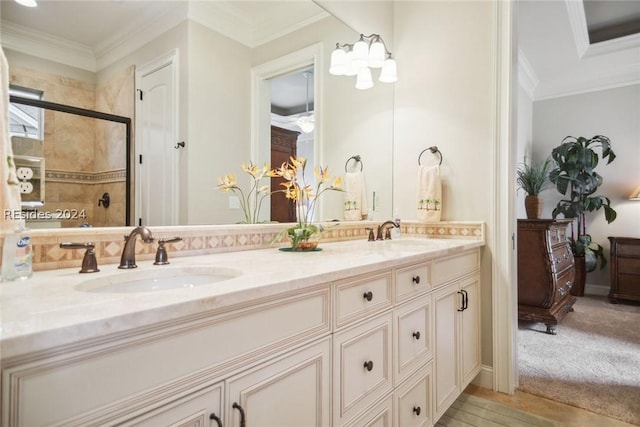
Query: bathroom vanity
[[360, 333]]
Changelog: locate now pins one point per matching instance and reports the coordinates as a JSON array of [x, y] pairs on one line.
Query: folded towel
[[429, 194], [355, 196], [9, 187]]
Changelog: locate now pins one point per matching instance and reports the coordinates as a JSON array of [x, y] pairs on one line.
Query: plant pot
[[533, 206], [581, 276]]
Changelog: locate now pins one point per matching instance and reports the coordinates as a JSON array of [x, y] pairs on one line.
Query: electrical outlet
[[234, 202]]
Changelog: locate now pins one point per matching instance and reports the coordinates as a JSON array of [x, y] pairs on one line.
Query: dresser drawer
[[413, 337], [564, 282], [628, 265], [362, 371], [412, 280], [357, 299], [561, 258], [556, 235], [628, 250]]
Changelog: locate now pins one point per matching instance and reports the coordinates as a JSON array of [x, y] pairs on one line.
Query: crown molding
[[578, 23], [527, 77], [46, 46]]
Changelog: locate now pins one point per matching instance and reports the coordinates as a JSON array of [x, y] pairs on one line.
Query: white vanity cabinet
[[456, 302]]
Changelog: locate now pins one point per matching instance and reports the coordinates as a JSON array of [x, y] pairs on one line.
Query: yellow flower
[[227, 183], [337, 183]]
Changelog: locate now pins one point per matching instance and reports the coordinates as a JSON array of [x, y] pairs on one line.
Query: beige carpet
[[593, 362], [473, 411]]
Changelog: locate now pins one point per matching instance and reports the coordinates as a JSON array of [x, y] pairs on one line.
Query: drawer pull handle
[[416, 280], [416, 335], [368, 365], [417, 410], [216, 418], [243, 422], [368, 295]]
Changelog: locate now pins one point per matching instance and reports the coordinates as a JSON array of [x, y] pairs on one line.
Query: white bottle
[[17, 255]]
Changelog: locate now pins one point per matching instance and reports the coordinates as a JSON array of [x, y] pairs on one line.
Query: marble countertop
[[55, 308]]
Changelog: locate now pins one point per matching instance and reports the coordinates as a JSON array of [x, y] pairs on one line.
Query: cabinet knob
[[416, 335], [368, 295], [417, 410], [416, 280], [368, 365]]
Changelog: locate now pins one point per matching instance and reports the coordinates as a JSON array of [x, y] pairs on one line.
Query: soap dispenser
[[17, 255]]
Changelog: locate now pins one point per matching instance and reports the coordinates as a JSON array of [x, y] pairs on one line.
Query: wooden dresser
[[625, 269], [546, 271]]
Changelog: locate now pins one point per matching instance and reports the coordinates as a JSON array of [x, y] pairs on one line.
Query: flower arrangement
[[251, 202], [304, 196]]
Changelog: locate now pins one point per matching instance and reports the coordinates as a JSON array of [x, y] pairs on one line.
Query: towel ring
[[356, 158], [433, 150]]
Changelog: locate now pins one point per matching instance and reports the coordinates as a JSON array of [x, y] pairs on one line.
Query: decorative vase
[[533, 206]]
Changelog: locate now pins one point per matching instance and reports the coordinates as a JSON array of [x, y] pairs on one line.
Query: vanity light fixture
[[359, 58], [27, 3], [307, 122], [635, 195]]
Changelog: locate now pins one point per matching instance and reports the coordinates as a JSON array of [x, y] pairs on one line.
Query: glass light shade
[[389, 73], [364, 79], [376, 55], [338, 65], [350, 67], [360, 54], [306, 123], [27, 3], [635, 195]]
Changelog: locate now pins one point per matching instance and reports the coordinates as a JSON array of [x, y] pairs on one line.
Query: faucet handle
[[89, 261], [372, 236], [161, 253]]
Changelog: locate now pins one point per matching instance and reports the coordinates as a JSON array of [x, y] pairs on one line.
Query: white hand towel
[[429, 194], [355, 196], [9, 189]]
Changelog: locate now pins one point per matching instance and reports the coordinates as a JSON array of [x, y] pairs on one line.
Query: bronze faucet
[[387, 231], [89, 261], [128, 258]]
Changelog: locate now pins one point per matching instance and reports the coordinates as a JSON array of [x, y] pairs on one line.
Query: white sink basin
[[158, 279]]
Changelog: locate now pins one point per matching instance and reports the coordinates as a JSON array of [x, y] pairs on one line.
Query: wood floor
[[570, 416]]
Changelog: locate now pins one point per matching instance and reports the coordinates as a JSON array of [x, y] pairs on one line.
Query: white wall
[[445, 97], [614, 113], [524, 141]]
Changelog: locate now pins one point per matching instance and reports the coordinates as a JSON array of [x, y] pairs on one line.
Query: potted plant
[[533, 178], [574, 176]]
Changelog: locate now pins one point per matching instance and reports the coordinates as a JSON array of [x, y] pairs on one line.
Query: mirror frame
[[95, 115]]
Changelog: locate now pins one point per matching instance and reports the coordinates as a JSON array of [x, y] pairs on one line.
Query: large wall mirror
[[216, 46]]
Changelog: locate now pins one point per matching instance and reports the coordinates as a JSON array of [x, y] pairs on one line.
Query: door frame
[[171, 59], [261, 98]]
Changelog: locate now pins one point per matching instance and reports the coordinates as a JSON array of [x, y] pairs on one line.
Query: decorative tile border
[[200, 240], [86, 177]]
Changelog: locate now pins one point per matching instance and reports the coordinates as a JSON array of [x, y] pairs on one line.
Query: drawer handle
[[243, 422], [416, 280], [368, 295], [368, 365], [416, 335], [417, 410], [216, 418]]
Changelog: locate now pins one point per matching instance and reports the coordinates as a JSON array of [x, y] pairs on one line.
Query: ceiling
[[561, 51]]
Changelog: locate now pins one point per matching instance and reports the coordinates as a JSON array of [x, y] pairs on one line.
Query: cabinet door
[[199, 409], [291, 391], [446, 302], [470, 335]]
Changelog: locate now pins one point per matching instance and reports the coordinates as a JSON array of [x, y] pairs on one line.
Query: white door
[[156, 139]]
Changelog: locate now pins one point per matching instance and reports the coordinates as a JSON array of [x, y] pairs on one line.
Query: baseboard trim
[[484, 377]]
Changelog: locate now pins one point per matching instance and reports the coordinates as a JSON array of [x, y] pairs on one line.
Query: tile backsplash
[[208, 239]]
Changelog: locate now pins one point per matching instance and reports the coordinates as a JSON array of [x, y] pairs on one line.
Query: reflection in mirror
[[86, 153], [215, 60]]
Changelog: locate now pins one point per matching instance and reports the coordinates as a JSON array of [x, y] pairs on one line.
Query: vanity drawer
[[362, 371], [412, 280], [381, 415], [413, 337], [357, 299], [156, 363], [412, 400], [451, 268]]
